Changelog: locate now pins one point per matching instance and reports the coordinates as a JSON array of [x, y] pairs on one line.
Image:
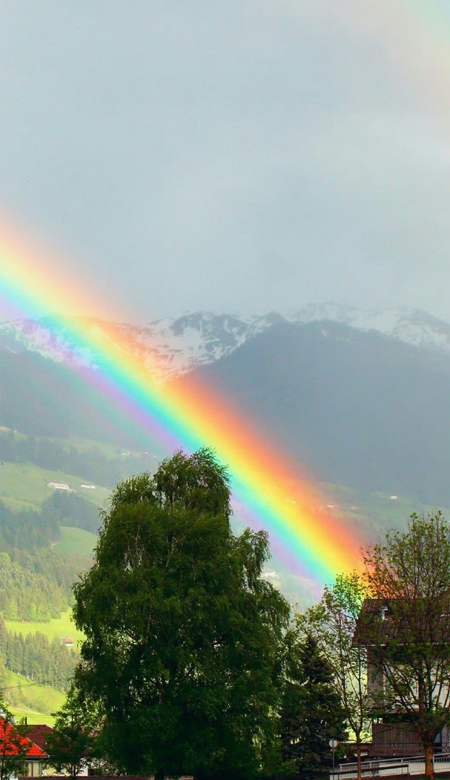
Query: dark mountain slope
[[356, 408], [43, 398]]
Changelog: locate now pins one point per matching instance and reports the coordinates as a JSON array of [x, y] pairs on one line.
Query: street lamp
[[333, 743]]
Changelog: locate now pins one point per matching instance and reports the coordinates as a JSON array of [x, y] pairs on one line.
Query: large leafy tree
[[311, 711], [183, 636], [405, 626]]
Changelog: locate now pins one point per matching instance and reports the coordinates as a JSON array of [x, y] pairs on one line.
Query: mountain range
[[360, 398], [171, 347]]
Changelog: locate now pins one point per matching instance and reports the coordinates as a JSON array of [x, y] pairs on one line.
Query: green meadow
[[60, 627], [27, 484], [26, 699], [33, 717], [76, 541]]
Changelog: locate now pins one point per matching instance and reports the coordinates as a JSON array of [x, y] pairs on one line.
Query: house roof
[[404, 621], [38, 734], [8, 732]]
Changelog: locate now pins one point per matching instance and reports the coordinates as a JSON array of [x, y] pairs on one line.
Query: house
[[60, 486], [390, 631], [11, 742], [67, 641], [38, 734]]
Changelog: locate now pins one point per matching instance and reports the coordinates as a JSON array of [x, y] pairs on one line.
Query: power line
[[25, 685]]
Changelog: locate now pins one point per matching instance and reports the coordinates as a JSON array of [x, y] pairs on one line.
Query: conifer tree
[[311, 712]]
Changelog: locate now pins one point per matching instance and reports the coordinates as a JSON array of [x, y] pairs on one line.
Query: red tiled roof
[[38, 734], [6, 731]]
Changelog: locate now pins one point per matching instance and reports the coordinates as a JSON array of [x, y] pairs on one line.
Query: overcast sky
[[236, 155]]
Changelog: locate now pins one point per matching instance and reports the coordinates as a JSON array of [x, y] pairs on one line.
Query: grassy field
[[76, 541], [33, 716], [59, 627], [373, 513], [27, 483], [25, 698]]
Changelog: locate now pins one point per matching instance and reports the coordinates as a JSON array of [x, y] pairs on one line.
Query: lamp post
[[333, 743]]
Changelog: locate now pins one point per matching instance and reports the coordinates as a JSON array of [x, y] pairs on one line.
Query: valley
[[24, 487], [337, 394]]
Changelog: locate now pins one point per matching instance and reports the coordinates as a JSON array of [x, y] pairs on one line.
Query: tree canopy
[[73, 740], [405, 626], [183, 635], [333, 623]]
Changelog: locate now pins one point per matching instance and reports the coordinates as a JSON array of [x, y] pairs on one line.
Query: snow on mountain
[[173, 346], [168, 347], [199, 338], [411, 326]]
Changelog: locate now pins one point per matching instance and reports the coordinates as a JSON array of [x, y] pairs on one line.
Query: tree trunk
[[159, 775], [429, 767], [358, 759]]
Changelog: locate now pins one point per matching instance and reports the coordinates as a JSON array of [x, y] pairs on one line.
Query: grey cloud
[[234, 155]]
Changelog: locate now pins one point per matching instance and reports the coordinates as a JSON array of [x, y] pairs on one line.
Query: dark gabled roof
[[38, 734]]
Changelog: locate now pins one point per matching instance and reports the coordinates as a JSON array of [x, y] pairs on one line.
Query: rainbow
[[188, 415], [413, 38]]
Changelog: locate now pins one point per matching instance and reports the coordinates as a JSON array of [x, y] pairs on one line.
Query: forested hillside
[[45, 543], [341, 401], [37, 586], [42, 398], [355, 407], [36, 576], [35, 656]]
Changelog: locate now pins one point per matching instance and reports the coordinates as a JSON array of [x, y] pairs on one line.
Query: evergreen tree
[[311, 712]]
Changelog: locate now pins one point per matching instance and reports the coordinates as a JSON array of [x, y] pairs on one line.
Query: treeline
[[27, 529], [37, 587], [36, 657], [72, 510], [31, 529], [90, 464]]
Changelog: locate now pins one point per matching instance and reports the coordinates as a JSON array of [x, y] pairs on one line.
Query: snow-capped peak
[[411, 326], [171, 347]]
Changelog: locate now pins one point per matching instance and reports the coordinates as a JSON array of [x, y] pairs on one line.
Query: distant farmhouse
[[60, 486]]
